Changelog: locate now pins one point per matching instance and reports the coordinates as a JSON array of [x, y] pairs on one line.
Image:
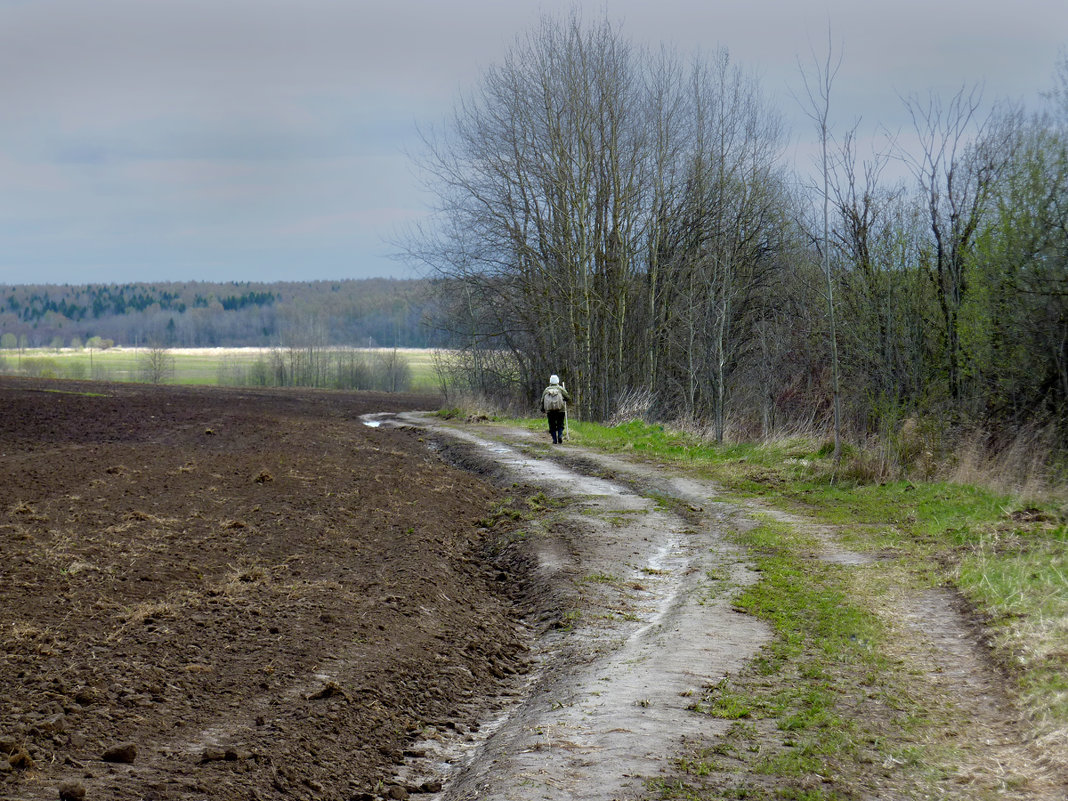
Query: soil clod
[[124, 754], [20, 759]]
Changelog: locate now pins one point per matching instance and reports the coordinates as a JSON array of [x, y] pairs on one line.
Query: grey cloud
[[223, 139], [181, 133]]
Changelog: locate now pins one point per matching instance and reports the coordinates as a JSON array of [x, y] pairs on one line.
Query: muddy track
[[944, 642], [643, 621], [642, 574]]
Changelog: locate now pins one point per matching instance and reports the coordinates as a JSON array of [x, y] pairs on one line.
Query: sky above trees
[[266, 140]]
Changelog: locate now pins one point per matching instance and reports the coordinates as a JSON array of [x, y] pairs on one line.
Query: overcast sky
[[266, 140]]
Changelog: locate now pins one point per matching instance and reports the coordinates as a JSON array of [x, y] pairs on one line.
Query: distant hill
[[379, 311]]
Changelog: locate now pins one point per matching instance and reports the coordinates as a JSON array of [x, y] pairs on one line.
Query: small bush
[[866, 466]]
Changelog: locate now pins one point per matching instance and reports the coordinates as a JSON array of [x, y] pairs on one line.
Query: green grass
[[659, 442], [831, 647], [723, 701], [1019, 577], [599, 578], [935, 512], [1010, 562], [83, 394], [798, 697]]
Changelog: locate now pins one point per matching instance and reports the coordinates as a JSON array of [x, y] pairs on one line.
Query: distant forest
[[375, 312]]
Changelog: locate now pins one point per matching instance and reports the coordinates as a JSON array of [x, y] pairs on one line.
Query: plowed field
[[244, 594]]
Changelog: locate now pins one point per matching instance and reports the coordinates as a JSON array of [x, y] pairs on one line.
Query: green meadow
[[193, 366]]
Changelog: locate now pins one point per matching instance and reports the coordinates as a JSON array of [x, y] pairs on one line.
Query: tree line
[[625, 218], [324, 368], [379, 312], [309, 365]]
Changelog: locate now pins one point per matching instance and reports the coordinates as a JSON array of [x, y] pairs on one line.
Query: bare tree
[[818, 92], [539, 177], [961, 157], [728, 224], [394, 374], [156, 364], [607, 216]]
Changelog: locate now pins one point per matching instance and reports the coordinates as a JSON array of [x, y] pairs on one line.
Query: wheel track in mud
[[606, 707], [646, 630]]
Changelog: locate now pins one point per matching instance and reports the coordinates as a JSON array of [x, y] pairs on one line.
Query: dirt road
[[640, 572], [639, 594]]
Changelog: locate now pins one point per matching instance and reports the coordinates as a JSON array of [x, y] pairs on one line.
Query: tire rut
[[647, 623], [606, 707]]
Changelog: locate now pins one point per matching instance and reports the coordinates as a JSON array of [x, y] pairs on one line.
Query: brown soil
[[235, 584]]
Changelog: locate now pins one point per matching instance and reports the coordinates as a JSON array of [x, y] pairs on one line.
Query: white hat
[[554, 379]]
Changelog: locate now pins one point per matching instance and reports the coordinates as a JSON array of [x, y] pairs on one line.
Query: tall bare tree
[[961, 158], [611, 214], [540, 176], [818, 87], [156, 364]]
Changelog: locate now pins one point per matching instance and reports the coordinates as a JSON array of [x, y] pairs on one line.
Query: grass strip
[[819, 700], [831, 708]]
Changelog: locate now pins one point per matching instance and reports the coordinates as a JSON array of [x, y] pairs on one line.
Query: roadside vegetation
[[624, 216], [844, 701]]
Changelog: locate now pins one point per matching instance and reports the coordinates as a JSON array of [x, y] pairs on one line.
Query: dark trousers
[[556, 425]]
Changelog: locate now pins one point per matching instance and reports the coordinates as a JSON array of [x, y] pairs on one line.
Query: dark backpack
[[553, 399]]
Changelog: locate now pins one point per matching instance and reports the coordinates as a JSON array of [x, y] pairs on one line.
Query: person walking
[[554, 402]]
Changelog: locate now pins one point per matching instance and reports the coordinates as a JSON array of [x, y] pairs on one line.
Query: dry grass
[[26, 513], [138, 614], [1022, 466], [632, 404], [78, 566], [1022, 582], [26, 636], [20, 508], [20, 631], [243, 577], [475, 406], [135, 519]]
